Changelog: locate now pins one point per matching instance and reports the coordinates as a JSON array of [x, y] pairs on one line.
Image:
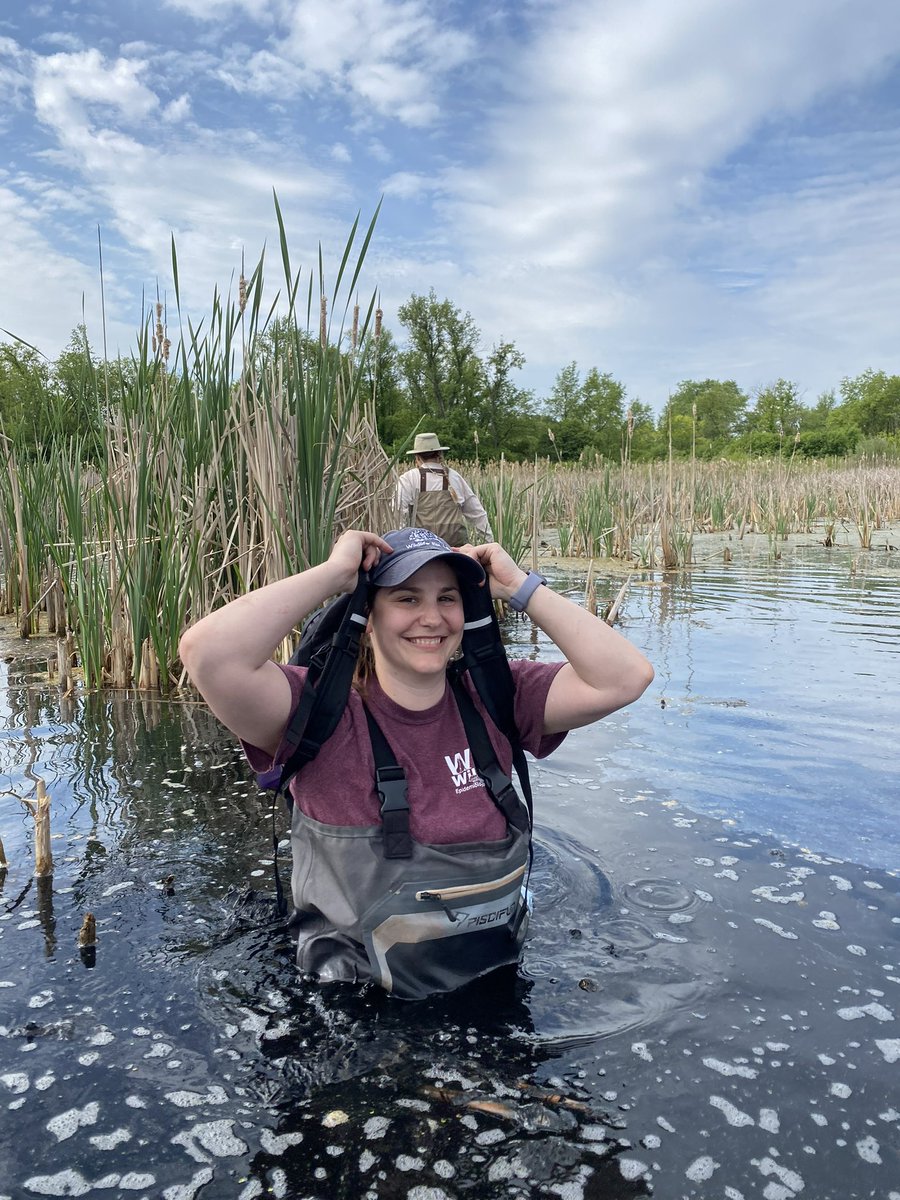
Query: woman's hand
[[504, 574], [355, 551]]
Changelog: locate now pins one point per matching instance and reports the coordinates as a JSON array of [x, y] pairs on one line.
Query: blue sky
[[663, 189]]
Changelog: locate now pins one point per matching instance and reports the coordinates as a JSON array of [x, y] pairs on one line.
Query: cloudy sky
[[664, 189]]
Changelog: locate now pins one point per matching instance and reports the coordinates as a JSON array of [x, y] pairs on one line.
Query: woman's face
[[417, 627]]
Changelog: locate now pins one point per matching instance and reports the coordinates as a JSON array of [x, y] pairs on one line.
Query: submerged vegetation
[[136, 495]]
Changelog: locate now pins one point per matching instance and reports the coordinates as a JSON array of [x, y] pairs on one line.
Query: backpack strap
[[327, 686], [422, 477]]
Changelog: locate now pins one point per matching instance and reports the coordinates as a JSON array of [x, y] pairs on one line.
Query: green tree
[[503, 403], [720, 407], [602, 411], [565, 399], [872, 402], [24, 383], [778, 410], [441, 366]]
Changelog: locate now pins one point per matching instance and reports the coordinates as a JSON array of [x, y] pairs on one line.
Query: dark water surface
[[707, 1005]]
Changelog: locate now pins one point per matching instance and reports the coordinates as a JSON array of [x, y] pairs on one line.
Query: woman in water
[[445, 901]]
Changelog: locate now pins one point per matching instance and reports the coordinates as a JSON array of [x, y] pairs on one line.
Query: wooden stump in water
[[3, 863], [43, 859]]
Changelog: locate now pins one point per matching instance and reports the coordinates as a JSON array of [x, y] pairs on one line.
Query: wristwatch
[[530, 585]]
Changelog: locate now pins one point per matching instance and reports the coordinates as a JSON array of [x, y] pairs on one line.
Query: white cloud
[[594, 173], [340, 153], [388, 59], [406, 185], [177, 110]]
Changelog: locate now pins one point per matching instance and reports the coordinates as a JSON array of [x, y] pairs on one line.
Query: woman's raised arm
[[603, 670], [228, 654]]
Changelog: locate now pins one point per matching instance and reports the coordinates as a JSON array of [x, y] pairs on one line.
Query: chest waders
[[419, 918], [439, 510]]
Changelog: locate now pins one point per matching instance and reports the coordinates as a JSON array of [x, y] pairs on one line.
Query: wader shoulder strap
[[445, 480], [390, 783], [497, 782]]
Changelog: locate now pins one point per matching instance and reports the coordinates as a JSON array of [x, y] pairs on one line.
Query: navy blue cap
[[414, 548]]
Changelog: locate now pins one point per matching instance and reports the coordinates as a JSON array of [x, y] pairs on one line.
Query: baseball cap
[[412, 549]]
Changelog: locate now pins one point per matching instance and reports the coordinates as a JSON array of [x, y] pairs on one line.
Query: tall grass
[[232, 457]]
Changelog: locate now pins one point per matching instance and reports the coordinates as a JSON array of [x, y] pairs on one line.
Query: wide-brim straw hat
[[426, 443]]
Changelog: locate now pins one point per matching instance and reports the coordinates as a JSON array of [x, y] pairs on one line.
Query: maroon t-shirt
[[448, 802]]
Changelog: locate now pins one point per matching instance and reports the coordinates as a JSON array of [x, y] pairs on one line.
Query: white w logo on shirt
[[460, 767]]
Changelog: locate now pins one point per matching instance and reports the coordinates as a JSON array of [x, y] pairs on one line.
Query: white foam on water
[[768, 1120], [867, 1149], [890, 1048], [215, 1137], [16, 1081], [102, 1037], [135, 1102], [819, 1118], [775, 928], [109, 1141], [704, 896], [640, 1049], [408, 1162], [856, 1011], [45, 1081], [376, 1127], [41, 1000], [67, 1123], [841, 1090], [133, 1181], [63, 1183], [632, 1168], [789, 1179], [187, 1099], [702, 1168], [771, 893], [732, 1114], [724, 1068], [842, 884], [277, 1143], [159, 1050], [187, 1191], [727, 873]]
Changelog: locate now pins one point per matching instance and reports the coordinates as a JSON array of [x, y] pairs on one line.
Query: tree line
[[440, 378]]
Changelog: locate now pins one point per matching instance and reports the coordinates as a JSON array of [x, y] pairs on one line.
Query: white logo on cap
[[423, 538]]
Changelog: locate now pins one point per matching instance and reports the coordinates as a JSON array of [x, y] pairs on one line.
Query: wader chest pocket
[[431, 937]]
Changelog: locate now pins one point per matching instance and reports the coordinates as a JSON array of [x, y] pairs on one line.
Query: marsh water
[[708, 1001]]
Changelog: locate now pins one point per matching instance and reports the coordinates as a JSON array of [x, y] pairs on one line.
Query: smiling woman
[[410, 845]]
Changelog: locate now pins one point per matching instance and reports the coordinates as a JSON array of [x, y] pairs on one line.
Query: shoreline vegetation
[[173, 481]]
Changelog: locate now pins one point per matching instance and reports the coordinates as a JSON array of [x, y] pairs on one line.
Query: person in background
[[433, 496]]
